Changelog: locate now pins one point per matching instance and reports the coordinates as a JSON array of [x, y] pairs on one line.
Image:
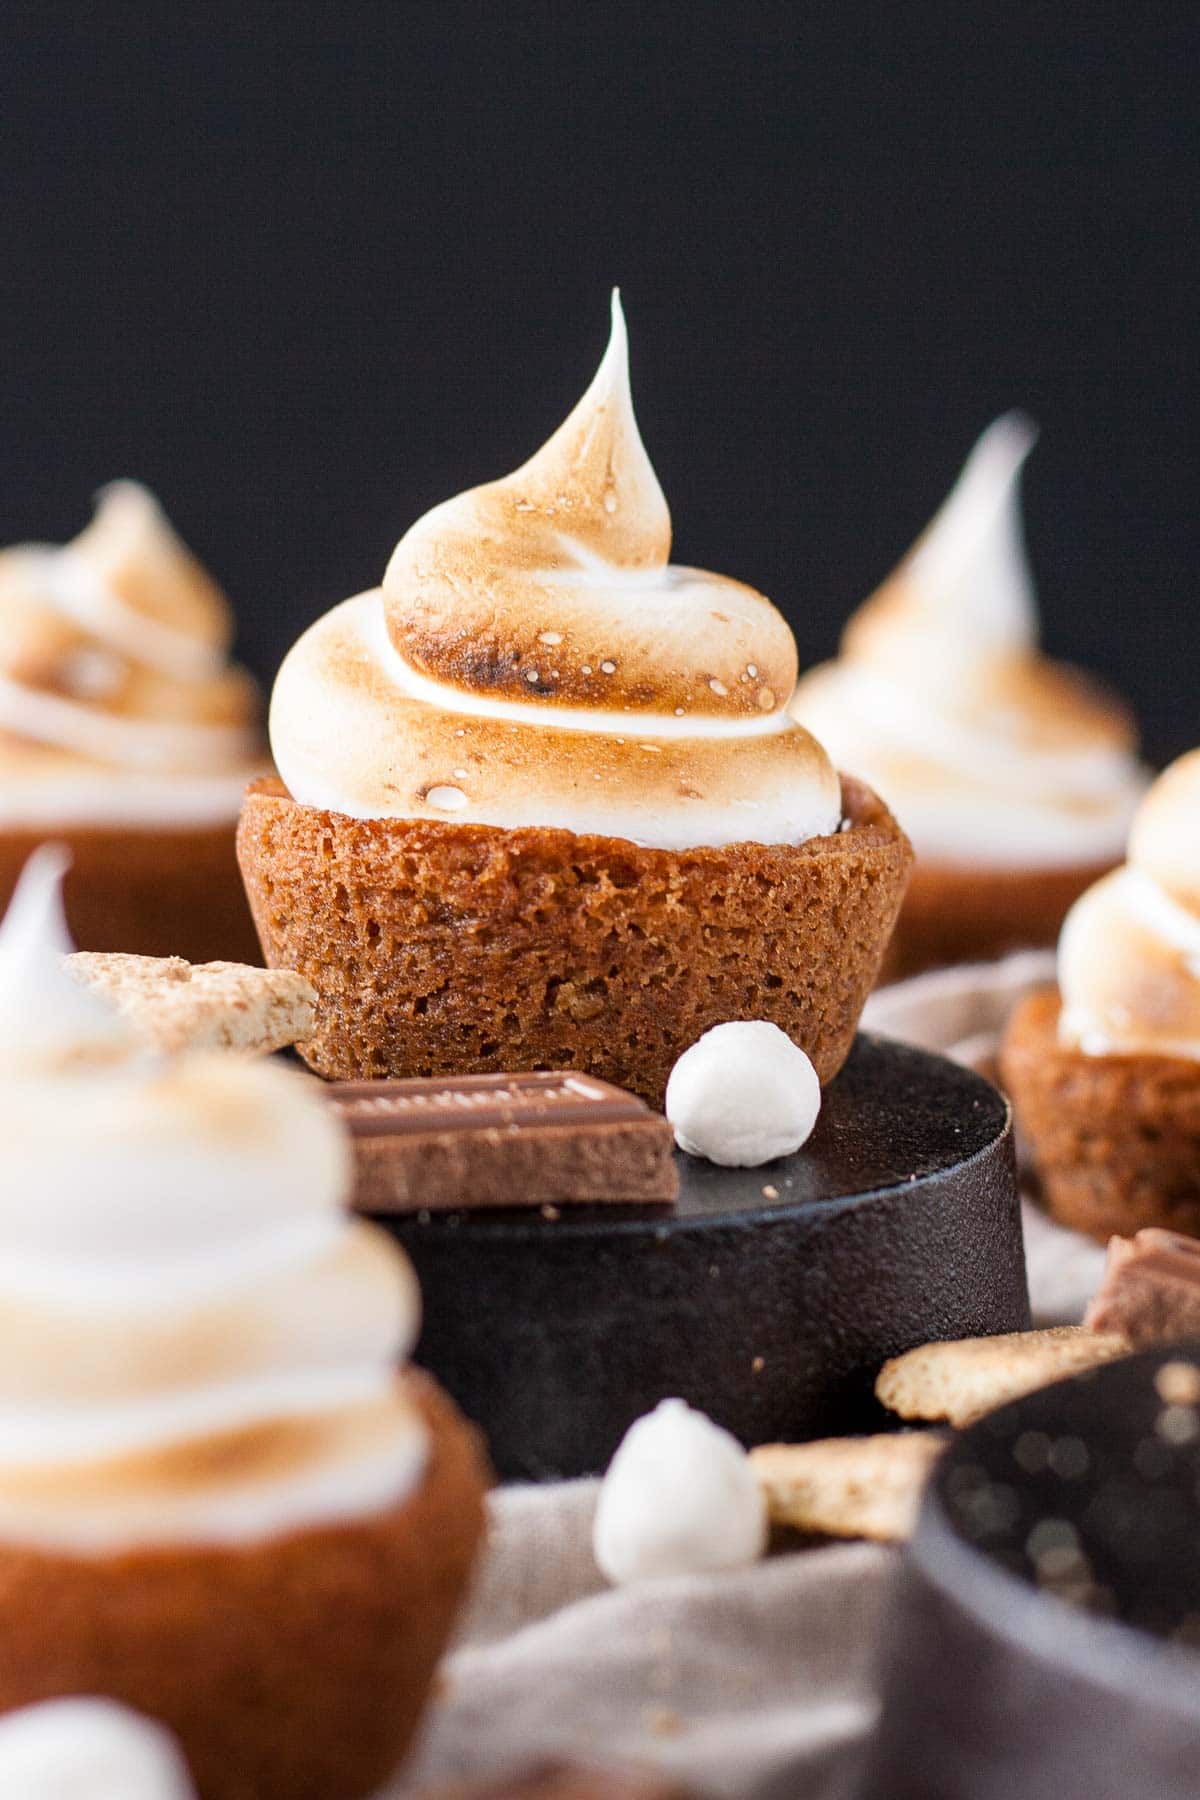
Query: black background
[[308, 269]]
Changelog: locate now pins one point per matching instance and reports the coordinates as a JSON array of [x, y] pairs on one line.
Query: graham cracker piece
[[960, 1381], [859, 1487], [176, 1005]]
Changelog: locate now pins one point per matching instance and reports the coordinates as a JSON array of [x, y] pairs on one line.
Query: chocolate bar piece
[[502, 1140], [1151, 1288]]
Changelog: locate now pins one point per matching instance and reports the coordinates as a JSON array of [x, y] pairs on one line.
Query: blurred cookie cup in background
[[1014, 776], [127, 733], [1104, 1074]]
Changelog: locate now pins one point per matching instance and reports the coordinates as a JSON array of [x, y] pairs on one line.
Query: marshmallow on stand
[[742, 1095]]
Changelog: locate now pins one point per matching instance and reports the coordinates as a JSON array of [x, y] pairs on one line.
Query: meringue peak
[[966, 581], [594, 473], [47, 1020], [989, 752], [131, 546], [569, 554]]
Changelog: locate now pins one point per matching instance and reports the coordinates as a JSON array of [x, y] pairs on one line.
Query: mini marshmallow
[[680, 1498], [743, 1094], [89, 1750]]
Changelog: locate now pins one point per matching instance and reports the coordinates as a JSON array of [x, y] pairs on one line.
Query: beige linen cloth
[[758, 1684]]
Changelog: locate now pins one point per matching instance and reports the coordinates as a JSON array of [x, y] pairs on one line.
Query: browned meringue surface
[[533, 659]]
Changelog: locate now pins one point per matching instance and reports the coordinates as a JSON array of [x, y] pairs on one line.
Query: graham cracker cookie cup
[[964, 914], [1115, 1140], [291, 1668], [156, 891], [444, 949]]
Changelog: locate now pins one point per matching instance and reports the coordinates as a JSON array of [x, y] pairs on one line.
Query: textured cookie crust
[[960, 1382], [859, 1487], [176, 1005], [292, 1669], [154, 892], [1115, 1139], [961, 915], [443, 949]]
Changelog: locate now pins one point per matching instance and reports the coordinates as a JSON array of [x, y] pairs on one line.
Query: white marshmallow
[[89, 1750], [680, 1498], [743, 1094]]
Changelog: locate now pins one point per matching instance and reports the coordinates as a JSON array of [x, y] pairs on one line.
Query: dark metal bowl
[[1043, 1639]]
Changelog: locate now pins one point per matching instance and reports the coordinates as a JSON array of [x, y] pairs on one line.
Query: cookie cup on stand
[[291, 1668], [444, 949], [1115, 1139]]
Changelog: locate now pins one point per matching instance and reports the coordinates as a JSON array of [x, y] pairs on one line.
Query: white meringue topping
[[196, 1342], [680, 1498], [533, 659], [988, 753], [117, 699], [89, 1750], [1129, 953]]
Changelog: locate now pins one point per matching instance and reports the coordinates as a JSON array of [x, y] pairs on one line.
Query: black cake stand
[[767, 1297]]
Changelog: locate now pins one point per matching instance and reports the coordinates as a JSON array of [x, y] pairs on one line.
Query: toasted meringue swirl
[[196, 1342], [1129, 953], [988, 752], [117, 698], [533, 658]]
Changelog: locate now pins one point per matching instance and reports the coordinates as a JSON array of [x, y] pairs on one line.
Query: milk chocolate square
[[502, 1140]]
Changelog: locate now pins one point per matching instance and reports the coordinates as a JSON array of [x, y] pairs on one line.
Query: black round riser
[[767, 1297]]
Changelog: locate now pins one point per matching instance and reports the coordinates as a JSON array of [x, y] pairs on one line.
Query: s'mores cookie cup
[[542, 805], [1015, 776], [126, 732], [1104, 1075], [223, 1500]]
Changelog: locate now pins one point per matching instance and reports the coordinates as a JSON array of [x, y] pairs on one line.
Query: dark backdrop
[[308, 268]]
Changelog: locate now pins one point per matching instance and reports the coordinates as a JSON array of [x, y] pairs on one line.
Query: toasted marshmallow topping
[[532, 658], [117, 698], [989, 753], [742, 1095], [196, 1342], [89, 1750], [680, 1498], [1129, 954]]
